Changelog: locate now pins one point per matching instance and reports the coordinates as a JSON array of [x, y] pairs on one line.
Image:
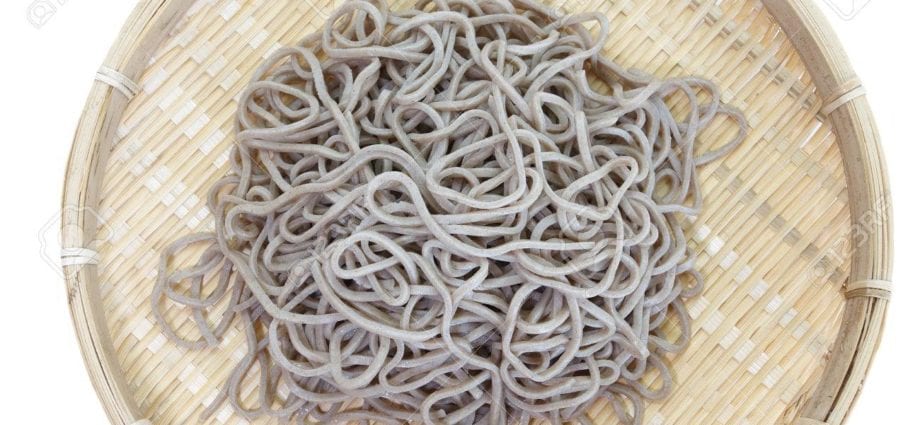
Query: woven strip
[[143, 422], [78, 257], [873, 288], [119, 81], [847, 92]]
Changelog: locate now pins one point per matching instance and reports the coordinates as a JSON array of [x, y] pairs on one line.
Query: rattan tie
[[809, 421], [847, 92], [873, 288], [119, 81], [78, 257]]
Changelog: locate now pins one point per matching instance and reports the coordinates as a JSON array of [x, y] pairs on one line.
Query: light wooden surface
[[793, 214]]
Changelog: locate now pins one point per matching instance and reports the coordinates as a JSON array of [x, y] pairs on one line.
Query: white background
[[46, 71]]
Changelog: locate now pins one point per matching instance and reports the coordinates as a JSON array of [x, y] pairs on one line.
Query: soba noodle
[[459, 213]]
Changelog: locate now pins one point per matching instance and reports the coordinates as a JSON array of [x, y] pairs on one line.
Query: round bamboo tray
[[795, 241]]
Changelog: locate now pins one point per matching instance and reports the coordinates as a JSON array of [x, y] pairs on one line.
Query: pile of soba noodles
[[458, 213]]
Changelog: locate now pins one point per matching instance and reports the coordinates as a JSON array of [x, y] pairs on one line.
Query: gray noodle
[[460, 213]]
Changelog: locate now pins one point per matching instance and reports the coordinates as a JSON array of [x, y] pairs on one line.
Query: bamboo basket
[[795, 241]]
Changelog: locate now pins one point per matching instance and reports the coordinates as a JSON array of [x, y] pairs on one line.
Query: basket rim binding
[[846, 108]]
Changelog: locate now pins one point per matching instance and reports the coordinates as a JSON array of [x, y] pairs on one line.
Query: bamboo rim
[[846, 109]]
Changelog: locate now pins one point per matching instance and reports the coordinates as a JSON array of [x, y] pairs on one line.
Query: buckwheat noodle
[[461, 213]]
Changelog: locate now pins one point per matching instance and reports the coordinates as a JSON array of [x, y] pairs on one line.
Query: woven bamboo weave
[[791, 216]]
